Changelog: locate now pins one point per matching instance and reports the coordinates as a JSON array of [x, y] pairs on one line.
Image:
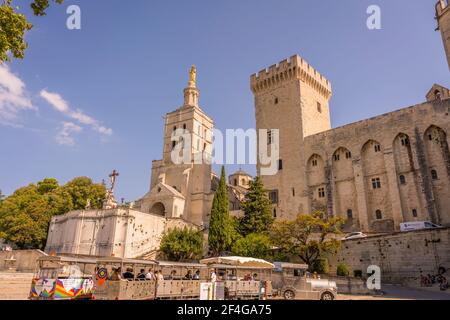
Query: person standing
[[149, 275], [213, 276]]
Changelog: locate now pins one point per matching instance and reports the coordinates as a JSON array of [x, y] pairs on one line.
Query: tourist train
[[219, 278]]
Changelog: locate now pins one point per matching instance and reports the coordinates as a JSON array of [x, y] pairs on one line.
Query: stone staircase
[[15, 286]]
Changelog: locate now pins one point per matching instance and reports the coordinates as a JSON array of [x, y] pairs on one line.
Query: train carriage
[[110, 283], [243, 278], [63, 278], [181, 280]]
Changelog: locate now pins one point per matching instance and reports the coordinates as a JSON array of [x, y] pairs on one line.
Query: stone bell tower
[[443, 20], [181, 187]]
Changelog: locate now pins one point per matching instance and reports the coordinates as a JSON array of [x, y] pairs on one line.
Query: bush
[[342, 270], [321, 266], [182, 244], [253, 245]]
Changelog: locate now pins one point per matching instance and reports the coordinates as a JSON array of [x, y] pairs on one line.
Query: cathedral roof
[[162, 189]]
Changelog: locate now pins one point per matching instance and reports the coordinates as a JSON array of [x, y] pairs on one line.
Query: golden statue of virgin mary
[[193, 76]]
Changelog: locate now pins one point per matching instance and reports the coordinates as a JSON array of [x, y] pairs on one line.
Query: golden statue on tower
[[193, 77]]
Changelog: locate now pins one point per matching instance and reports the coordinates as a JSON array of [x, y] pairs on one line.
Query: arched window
[[349, 214], [437, 94], [414, 213], [184, 126], [402, 179], [274, 212], [235, 182], [378, 215], [175, 128], [434, 175]]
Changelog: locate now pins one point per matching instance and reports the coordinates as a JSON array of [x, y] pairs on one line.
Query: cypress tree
[[221, 230], [257, 210]]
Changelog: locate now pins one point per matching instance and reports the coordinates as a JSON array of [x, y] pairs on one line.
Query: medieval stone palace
[[376, 173]]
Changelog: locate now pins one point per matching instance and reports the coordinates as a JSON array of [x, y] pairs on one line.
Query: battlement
[[295, 68]]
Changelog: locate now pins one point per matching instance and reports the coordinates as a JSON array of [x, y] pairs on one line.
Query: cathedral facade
[[181, 192]]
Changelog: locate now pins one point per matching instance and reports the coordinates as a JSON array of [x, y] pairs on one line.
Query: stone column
[[363, 215], [394, 192]]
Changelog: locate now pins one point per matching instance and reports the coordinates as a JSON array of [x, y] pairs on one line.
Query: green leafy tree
[[81, 189], [13, 26], [257, 210], [25, 215], [254, 245], [182, 244], [310, 237], [47, 185], [221, 226]]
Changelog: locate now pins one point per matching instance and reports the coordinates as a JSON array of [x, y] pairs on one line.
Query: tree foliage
[[257, 210], [13, 26], [309, 237], [81, 189], [25, 215], [221, 226], [182, 244], [256, 245]]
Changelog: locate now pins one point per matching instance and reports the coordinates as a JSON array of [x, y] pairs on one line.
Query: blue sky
[[114, 79]]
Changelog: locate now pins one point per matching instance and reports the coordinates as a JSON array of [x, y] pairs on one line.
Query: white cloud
[[64, 136], [56, 101], [13, 98], [59, 104]]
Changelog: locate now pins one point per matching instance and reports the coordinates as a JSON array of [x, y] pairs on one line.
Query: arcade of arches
[[422, 176]]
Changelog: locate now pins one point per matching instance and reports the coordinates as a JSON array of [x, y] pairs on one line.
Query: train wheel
[[327, 296], [289, 295]]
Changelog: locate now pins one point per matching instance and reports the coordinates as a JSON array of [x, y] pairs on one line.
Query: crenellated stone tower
[[294, 98], [443, 20]]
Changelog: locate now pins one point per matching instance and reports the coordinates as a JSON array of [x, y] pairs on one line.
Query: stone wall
[[19, 260], [401, 256], [385, 170], [118, 232]]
